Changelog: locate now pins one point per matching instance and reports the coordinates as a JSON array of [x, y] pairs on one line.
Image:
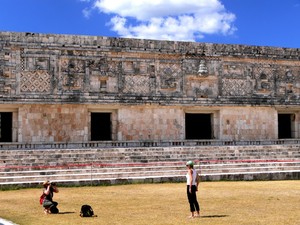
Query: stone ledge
[[290, 175]]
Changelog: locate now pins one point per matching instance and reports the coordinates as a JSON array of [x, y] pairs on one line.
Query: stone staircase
[[97, 166]]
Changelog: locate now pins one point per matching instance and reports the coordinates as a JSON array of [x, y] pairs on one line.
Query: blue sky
[[251, 22]]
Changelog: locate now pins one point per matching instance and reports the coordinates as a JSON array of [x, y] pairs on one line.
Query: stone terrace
[[118, 165]]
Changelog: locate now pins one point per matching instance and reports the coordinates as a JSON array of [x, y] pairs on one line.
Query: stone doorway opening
[[285, 126], [6, 126], [198, 126], [101, 127]]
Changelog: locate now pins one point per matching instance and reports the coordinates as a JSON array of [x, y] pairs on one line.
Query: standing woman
[[192, 182]]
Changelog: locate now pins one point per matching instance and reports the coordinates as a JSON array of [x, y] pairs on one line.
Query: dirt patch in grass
[[268, 202]]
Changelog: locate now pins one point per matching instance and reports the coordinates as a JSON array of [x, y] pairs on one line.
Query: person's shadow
[[214, 216], [65, 212]]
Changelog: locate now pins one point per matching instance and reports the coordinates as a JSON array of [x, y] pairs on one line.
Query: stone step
[[273, 175], [37, 163], [123, 172], [154, 163], [21, 164], [294, 175], [57, 154], [152, 155], [198, 150], [109, 169]]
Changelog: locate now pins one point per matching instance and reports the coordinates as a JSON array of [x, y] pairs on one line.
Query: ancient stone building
[[64, 88]]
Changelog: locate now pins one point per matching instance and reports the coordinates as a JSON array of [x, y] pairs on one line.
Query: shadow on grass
[[214, 216], [65, 212]]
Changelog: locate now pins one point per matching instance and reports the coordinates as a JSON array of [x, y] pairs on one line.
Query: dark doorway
[[100, 127], [285, 125], [6, 127], [198, 126]]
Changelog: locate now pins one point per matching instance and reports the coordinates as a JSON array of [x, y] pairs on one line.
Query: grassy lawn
[[230, 203]]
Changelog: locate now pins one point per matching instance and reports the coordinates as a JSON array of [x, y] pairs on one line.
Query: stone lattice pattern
[[136, 84], [37, 81], [72, 66], [235, 87], [169, 75], [264, 76]]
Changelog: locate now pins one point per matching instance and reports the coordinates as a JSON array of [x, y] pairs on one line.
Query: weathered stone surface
[[40, 64], [147, 85]]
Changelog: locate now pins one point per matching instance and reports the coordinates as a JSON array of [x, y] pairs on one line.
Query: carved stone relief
[[236, 87], [137, 84], [72, 66], [200, 65], [98, 83], [94, 83], [201, 87], [35, 81], [72, 81], [170, 74], [264, 76], [236, 70], [202, 68], [131, 67], [190, 66], [288, 81], [73, 72], [99, 67], [37, 63]]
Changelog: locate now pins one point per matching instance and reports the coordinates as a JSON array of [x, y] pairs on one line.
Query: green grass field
[[230, 203]]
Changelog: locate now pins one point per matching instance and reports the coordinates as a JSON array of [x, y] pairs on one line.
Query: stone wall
[[248, 123], [80, 69], [53, 81], [71, 123], [149, 123], [53, 123]]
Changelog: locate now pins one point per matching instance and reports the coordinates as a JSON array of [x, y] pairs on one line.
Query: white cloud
[[86, 12], [184, 20]]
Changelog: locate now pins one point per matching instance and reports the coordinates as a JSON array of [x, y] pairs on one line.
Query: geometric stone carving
[[263, 74], [136, 84], [37, 63], [201, 87], [169, 74], [99, 67], [72, 66], [202, 67], [236, 87], [35, 81], [98, 83], [236, 70], [72, 81], [95, 82], [287, 81]]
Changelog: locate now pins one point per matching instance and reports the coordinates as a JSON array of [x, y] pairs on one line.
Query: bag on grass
[[86, 211], [54, 210]]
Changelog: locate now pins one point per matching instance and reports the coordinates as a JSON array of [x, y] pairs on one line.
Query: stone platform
[[121, 165]]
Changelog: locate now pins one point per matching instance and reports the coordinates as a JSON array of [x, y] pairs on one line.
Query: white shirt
[[193, 177]]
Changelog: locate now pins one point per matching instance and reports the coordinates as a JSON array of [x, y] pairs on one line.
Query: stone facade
[[55, 86]]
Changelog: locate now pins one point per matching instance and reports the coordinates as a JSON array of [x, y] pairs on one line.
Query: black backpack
[[54, 210], [86, 211]]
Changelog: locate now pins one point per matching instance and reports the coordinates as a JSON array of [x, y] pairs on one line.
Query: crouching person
[[49, 205]]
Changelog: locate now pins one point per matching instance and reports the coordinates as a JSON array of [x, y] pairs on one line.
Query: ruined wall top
[[142, 45], [50, 68]]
